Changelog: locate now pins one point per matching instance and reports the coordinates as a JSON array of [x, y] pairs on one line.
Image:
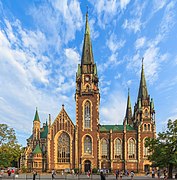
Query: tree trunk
[[170, 171]]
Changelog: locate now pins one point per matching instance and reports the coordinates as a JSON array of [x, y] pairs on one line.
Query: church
[[87, 144]]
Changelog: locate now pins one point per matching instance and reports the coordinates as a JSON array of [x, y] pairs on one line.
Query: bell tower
[[87, 99], [144, 121]]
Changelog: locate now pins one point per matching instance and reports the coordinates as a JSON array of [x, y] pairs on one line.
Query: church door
[[87, 165]]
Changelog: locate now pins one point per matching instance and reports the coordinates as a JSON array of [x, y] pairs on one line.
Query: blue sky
[[41, 45]]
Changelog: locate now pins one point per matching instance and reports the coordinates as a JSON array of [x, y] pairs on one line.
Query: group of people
[[119, 174], [158, 172], [10, 172]]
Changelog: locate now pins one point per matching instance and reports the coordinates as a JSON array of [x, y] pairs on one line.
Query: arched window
[[145, 149], [118, 149], [105, 149], [64, 148], [149, 127], [88, 145], [87, 114], [146, 113], [131, 149], [145, 127]]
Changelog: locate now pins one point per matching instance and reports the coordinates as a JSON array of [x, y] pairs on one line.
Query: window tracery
[[64, 148], [118, 149], [87, 114], [131, 149]]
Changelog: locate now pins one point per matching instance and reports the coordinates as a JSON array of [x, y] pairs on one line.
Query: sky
[[41, 46]]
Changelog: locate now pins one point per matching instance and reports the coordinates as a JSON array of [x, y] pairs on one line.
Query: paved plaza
[[60, 177]]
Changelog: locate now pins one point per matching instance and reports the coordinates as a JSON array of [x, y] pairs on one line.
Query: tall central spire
[[87, 54], [143, 93]]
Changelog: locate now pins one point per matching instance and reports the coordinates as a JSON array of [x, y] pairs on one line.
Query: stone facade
[[87, 144]]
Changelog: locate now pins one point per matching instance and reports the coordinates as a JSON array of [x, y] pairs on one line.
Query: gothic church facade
[[87, 144]]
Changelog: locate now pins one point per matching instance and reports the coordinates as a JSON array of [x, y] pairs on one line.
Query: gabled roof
[[114, 128]]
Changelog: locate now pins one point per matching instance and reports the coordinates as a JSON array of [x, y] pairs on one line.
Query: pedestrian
[[9, 172], [34, 175], [153, 173], [12, 172], [53, 174], [165, 174], [132, 175], [117, 174], [88, 174], [121, 174], [102, 176], [158, 173]]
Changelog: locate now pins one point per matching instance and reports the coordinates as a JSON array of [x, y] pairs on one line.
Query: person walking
[[102, 176], [117, 174], [53, 174], [158, 173], [34, 175], [121, 174], [153, 173], [132, 175]]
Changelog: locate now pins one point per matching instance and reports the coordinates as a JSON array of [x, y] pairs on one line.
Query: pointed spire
[[128, 115], [37, 150], [36, 117], [143, 93], [49, 120], [152, 104], [87, 54]]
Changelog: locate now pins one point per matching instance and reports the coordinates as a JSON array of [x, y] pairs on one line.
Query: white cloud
[[106, 10], [118, 76], [114, 43], [140, 42], [116, 106], [153, 57], [94, 33], [132, 25], [124, 3], [62, 20], [176, 60]]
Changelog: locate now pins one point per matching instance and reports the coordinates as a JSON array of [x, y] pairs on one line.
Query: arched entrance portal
[[146, 167], [87, 166]]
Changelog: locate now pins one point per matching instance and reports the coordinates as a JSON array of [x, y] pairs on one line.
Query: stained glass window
[[87, 145], [131, 149], [118, 149], [104, 149], [64, 148], [87, 114]]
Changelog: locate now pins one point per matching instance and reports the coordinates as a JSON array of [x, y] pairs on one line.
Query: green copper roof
[[87, 54], [114, 128], [36, 117], [44, 133], [37, 150], [128, 115], [143, 93]]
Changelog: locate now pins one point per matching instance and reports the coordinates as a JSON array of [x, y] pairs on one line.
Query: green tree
[[163, 149], [10, 150]]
